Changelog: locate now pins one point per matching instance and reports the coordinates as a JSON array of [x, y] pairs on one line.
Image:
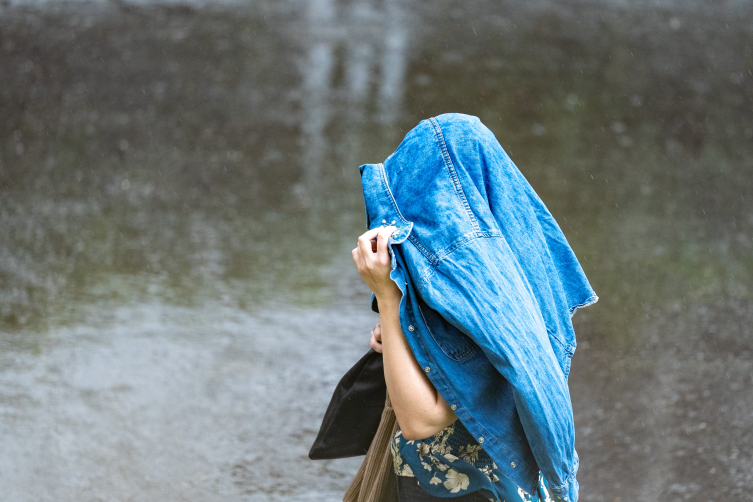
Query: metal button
[[453, 407], [513, 464], [411, 328], [481, 440], [427, 369]]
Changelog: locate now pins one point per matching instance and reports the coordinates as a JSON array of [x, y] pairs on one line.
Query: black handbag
[[354, 412]]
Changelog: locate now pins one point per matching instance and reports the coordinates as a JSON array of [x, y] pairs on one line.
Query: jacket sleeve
[[481, 289]]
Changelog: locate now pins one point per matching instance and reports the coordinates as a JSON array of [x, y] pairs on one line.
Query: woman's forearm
[[420, 410]]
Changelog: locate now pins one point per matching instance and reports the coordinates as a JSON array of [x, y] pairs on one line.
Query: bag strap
[[375, 480]]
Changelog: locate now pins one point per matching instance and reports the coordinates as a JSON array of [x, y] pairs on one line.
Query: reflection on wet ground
[[179, 195]]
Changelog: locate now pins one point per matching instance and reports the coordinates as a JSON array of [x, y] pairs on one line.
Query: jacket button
[[411, 328], [427, 369], [481, 440], [453, 407], [513, 464]]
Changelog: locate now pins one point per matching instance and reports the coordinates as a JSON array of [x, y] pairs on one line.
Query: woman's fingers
[[376, 338], [364, 241], [365, 249], [376, 346], [383, 239]]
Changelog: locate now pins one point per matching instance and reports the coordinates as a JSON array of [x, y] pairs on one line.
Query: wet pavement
[[179, 195]]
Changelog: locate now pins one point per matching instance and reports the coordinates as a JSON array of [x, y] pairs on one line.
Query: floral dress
[[452, 463]]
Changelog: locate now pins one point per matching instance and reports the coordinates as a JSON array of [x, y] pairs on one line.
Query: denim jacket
[[489, 287]]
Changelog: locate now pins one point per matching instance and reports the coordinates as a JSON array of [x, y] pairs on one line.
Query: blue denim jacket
[[489, 287]]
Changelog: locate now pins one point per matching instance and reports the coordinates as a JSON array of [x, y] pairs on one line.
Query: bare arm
[[420, 410]]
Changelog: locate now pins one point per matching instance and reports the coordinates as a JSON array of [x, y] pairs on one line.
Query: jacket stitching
[[457, 244], [431, 258], [464, 239], [412, 238], [453, 173], [568, 347], [392, 197], [459, 356]]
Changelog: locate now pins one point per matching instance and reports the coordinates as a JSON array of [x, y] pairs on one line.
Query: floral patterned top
[[453, 461]]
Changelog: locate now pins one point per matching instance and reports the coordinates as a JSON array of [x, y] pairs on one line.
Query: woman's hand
[[374, 264], [376, 338]]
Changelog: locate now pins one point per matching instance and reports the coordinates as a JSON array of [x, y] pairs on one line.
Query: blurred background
[[179, 195]]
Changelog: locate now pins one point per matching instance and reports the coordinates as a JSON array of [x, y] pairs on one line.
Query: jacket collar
[[381, 208]]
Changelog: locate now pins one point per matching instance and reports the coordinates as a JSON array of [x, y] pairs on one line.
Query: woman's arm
[[420, 410]]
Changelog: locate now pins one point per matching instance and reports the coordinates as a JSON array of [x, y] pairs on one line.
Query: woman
[[469, 262]]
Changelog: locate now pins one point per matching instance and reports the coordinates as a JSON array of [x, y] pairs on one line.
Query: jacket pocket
[[454, 343]]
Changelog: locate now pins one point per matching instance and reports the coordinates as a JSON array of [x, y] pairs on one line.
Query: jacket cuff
[[567, 492]]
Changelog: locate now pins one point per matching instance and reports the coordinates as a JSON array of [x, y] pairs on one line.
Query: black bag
[[353, 414]]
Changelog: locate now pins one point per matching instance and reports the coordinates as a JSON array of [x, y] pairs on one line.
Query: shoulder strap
[[375, 480]]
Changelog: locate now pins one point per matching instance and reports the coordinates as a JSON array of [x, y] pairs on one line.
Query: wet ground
[[179, 194]]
